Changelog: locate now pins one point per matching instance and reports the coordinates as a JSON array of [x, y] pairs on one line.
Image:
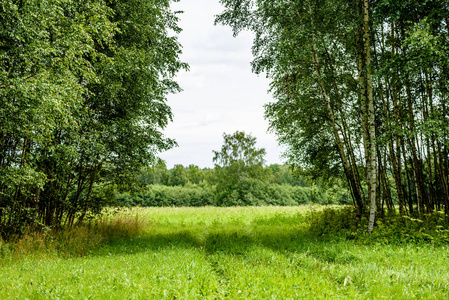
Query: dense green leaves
[[240, 147], [360, 92], [82, 88], [248, 192], [239, 165]]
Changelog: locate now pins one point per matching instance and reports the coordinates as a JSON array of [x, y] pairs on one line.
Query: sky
[[220, 93]]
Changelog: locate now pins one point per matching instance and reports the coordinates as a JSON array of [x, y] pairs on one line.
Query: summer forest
[[359, 103]]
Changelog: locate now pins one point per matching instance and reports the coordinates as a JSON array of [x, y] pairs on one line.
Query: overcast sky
[[221, 94]]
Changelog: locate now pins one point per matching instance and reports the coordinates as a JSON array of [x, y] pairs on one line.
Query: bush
[[247, 192], [344, 222], [160, 195], [333, 220]]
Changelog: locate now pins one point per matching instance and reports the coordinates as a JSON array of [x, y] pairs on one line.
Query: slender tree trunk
[[431, 191], [346, 165], [398, 128], [372, 151], [416, 165], [346, 137], [407, 176], [385, 182], [363, 105], [443, 181]]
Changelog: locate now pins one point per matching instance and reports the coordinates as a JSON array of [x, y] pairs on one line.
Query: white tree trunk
[[371, 121]]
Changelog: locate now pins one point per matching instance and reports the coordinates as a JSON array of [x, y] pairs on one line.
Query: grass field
[[218, 253]]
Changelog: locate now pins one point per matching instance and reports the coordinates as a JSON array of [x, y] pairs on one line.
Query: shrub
[[332, 220], [160, 195], [247, 192]]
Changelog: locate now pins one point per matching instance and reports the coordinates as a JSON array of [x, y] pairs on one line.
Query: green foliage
[[239, 147], [255, 192], [351, 74], [284, 34], [83, 88], [239, 170], [195, 174], [283, 174], [333, 221], [430, 228], [157, 174], [344, 222], [158, 195], [178, 176], [233, 185], [48, 59], [248, 192]]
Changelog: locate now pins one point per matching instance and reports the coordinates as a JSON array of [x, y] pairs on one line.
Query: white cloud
[[220, 92]]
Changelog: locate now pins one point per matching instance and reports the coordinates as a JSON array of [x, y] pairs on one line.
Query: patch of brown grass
[[75, 241], [121, 226]]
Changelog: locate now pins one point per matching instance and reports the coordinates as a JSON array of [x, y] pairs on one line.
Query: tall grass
[[75, 241], [222, 253]]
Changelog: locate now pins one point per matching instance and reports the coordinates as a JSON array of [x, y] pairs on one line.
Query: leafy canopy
[[83, 88], [239, 147]]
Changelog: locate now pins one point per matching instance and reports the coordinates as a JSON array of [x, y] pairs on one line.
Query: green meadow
[[218, 253]]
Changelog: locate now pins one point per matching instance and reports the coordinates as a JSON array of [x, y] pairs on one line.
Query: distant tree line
[[180, 175], [238, 178]]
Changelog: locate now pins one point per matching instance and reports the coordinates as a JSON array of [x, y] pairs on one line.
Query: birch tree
[[356, 86]]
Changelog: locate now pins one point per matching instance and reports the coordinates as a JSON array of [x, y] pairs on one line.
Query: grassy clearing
[[217, 253]]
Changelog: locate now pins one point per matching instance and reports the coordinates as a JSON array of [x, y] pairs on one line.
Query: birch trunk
[[372, 153]]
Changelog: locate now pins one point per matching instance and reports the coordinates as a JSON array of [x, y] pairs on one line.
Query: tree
[[360, 92], [178, 176], [239, 147], [238, 162], [83, 87], [283, 174], [313, 68], [157, 174], [195, 174]]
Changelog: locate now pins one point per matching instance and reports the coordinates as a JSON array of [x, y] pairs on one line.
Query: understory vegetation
[[249, 192], [231, 253]]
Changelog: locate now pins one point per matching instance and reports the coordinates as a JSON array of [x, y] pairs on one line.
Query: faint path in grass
[[231, 253]]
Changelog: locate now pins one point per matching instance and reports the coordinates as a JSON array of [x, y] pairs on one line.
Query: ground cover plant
[[225, 253]]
